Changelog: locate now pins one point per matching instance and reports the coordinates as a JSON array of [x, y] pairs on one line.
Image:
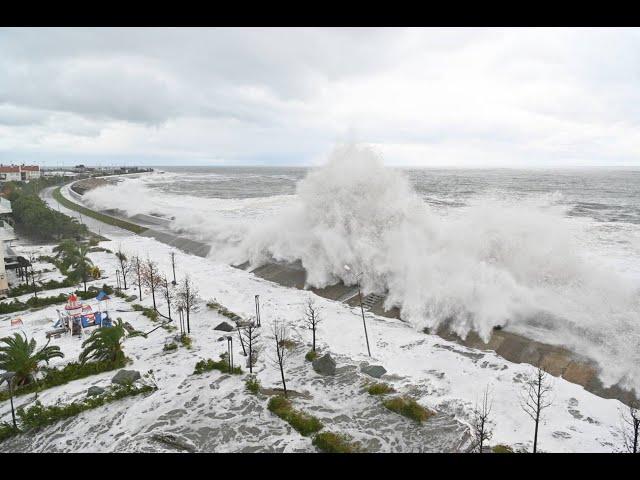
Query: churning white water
[[490, 261]]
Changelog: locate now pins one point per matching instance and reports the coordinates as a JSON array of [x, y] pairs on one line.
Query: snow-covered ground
[[213, 411]]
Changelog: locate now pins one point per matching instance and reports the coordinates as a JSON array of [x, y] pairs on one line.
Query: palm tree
[[19, 356], [104, 344]]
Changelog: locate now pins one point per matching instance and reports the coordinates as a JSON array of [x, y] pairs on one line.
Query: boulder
[[95, 390], [126, 377], [375, 371], [324, 365], [225, 327]]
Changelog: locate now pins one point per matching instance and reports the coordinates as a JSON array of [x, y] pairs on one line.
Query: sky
[[432, 97]]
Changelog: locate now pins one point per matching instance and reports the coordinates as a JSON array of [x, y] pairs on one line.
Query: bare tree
[[281, 337], [166, 293], [173, 266], [137, 265], [535, 399], [250, 333], [312, 318], [151, 278], [187, 297], [631, 427], [125, 265], [481, 424]]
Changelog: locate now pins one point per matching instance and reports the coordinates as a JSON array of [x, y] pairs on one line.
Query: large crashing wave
[[488, 264], [492, 262]]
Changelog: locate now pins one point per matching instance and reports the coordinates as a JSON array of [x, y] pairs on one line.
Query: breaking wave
[[491, 262]]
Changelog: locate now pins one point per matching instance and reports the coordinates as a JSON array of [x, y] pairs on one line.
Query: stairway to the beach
[[370, 300]]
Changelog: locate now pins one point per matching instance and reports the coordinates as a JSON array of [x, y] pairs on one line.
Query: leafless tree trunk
[[281, 335], [166, 292], [151, 278], [631, 428], [173, 266], [312, 318], [250, 333], [481, 423], [138, 267], [187, 298], [535, 399]]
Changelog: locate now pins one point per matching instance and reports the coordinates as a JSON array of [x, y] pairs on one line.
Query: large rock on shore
[[95, 390], [324, 365], [225, 327], [375, 371], [126, 377]]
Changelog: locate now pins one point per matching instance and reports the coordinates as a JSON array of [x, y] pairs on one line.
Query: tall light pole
[[230, 348], [8, 377], [366, 336], [257, 310]]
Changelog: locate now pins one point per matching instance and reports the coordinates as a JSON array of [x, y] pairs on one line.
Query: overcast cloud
[[424, 97]]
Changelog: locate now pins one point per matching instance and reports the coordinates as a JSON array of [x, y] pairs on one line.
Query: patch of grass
[[302, 422], [222, 310], [329, 442], [502, 449], [209, 364], [150, 313], [311, 356], [186, 341], [380, 389], [132, 227], [253, 384], [169, 347], [408, 407]]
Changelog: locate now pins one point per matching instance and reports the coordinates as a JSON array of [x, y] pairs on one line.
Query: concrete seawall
[[152, 227], [558, 361]]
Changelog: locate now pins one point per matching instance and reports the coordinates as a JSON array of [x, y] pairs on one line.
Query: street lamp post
[[118, 279], [8, 377], [230, 352], [257, 310], [364, 323]]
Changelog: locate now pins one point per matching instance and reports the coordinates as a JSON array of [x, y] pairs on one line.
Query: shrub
[[288, 344], [7, 430], [334, 443], [33, 302], [38, 416], [502, 449], [168, 347], [304, 423], [150, 313], [186, 341], [209, 364], [59, 376], [380, 389], [408, 407], [311, 356], [253, 384]]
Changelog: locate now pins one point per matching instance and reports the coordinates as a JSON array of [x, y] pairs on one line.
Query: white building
[[6, 235], [19, 173]]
